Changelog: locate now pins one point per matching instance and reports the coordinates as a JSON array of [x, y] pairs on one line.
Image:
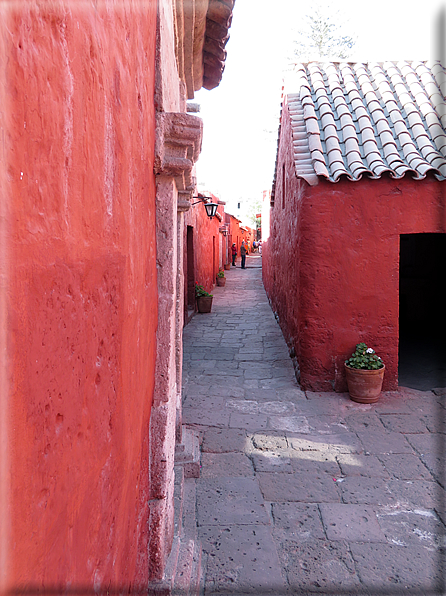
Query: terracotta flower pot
[[221, 281], [227, 266], [364, 386], [204, 303]]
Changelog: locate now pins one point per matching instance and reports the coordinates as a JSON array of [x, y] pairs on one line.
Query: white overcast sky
[[241, 115]]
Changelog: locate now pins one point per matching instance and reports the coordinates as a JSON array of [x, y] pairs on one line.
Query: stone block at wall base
[[187, 453], [183, 575]]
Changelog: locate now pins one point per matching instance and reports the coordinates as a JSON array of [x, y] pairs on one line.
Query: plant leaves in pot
[[364, 374], [203, 298], [220, 279]]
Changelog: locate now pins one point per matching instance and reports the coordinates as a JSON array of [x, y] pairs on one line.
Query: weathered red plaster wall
[[281, 251], [331, 265], [78, 126]]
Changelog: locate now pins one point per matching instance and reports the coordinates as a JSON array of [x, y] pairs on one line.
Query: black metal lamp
[[210, 207]]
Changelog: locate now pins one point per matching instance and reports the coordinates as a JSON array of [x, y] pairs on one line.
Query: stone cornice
[[178, 140]]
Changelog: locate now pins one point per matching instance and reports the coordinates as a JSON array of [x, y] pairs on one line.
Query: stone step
[[182, 580], [190, 574], [164, 587], [197, 582], [184, 573], [187, 453], [188, 579], [179, 483]]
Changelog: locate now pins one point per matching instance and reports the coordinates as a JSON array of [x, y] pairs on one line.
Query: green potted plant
[[364, 374], [203, 298], [221, 278]]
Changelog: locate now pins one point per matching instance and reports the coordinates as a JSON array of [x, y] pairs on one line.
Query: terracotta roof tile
[[356, 119]]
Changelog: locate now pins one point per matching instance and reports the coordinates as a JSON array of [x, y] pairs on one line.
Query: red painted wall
[[331, 264], [238, 233], [78, 135], [206, 244]]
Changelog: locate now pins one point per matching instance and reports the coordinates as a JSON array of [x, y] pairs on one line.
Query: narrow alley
[[300, 492]]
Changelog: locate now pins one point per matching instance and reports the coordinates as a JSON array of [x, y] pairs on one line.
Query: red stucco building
[[356, 248], [95, 173]]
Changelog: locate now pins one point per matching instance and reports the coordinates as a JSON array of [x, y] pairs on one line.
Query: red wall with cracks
[[78, 257], [331, 264]]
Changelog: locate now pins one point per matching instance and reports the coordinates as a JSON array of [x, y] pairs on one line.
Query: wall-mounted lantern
[[210, 207]]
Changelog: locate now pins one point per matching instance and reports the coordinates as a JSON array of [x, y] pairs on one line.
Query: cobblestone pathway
[[301, 492]]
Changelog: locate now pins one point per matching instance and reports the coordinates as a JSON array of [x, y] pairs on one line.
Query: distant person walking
[[233, 254], [243, 255]]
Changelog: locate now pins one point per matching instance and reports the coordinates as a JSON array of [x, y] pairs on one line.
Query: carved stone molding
[[183, 201], [178, 141]]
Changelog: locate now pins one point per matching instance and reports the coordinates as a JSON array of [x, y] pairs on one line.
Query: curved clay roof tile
[[364, 105]]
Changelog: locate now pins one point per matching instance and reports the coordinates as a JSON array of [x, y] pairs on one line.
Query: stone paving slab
[[228, 500], [302, 521], [362, 465], [248, 421], [215, 465], [403, 423], [435, 423], [328, 425], [428, 443], [341, 443], [269, 441], [421, 527], [363, 421], [405, 466], [326, 464], [294, 394], [272, 461], [294, 424], [227, 371], [241, 559], [205, 401], [243, 406], [369, 491], [276, 383], [394, 569], [227, 390], [417, 492], [392, 403], [205, 417], [224, 440], [376, 442], [306, 488], [319, 566], [353, 523], [276, 408]]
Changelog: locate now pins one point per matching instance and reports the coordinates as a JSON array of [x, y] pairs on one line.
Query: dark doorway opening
[[422, 311], [190, 274]]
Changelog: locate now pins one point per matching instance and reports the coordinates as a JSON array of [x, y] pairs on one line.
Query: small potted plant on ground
[[364, 374], [227, 266], [221, 278], [203, 298]]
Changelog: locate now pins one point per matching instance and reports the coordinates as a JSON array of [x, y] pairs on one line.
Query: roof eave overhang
[[201, 28]]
